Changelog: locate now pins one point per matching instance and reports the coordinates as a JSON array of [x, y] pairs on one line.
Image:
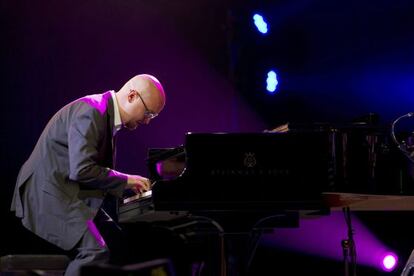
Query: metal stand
[[348, 246]]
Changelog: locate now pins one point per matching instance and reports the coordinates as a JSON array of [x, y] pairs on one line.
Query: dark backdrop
[[336, 61]]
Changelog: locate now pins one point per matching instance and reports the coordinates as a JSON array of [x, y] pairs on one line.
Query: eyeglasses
[[148, 114]]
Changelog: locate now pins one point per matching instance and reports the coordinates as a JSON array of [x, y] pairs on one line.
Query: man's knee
[[87, 256]]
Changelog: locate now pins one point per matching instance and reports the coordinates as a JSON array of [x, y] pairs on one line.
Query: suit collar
[[110, 109], [117, 114]]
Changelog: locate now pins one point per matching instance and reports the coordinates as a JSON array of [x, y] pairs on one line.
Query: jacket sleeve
[[85, 134]]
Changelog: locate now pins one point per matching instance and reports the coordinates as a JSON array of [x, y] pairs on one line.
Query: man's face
[[142, 114], [134, 123]]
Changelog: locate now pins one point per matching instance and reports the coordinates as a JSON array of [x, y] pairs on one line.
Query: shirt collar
[[117, 115]]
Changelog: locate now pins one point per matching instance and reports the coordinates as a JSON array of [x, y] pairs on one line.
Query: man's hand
[[138, 184]]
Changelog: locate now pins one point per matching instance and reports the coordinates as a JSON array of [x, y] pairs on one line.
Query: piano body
[[241, 179], [248, 171], [292, 170]]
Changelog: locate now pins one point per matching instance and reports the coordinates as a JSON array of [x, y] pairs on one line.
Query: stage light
[[271, 81], [389, 262], [322, 237], [260, 23]]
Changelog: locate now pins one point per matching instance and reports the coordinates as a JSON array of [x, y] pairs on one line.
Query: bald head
[[141, 98]]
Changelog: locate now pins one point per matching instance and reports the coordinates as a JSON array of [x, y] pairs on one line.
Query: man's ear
[[131, 96]]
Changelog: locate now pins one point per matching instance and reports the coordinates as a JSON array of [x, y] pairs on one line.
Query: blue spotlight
[[271, 81], [260, 23]]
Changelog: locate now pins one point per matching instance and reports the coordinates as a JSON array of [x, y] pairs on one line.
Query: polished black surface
[[247, 171], [273, 171]]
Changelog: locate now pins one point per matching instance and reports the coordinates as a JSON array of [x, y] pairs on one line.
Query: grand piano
[[247, 181], [289, 170]]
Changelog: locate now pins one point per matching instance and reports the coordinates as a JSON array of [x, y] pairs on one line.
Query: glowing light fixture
[[271, 81], [260, 23], [389, 262]]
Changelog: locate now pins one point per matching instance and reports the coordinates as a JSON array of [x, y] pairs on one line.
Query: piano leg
[[239, 252]]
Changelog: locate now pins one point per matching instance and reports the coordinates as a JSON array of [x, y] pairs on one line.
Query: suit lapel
[[111, 121]]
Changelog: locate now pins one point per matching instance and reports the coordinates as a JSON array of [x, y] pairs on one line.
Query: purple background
[[53, 52]]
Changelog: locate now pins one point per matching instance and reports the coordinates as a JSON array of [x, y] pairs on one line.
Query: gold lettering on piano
[[250, 159], [250, 172]]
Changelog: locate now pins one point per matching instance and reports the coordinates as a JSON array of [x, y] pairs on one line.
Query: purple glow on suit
[[97, 102], [322, 237], [95, 232]]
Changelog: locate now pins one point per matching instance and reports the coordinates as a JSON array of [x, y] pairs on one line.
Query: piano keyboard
[[140, 196]]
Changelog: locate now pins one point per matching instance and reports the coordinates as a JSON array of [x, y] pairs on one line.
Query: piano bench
[[22, 265]]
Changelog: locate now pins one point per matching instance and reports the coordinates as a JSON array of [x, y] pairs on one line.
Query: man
[[62, 185]]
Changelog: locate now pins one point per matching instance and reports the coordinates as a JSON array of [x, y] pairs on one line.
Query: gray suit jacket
[[73, 153]]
